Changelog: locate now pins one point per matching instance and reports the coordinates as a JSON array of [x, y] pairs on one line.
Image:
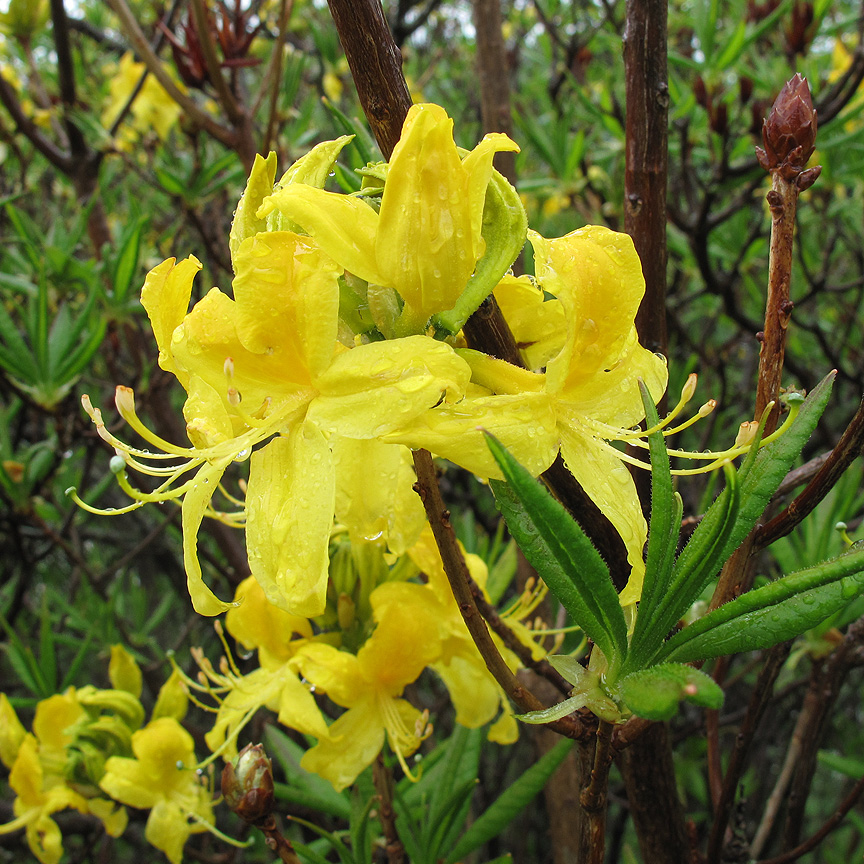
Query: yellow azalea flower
[[124, 673], [162, 778], [153, 109], [278, 636], [426, 239], [266, 364], [587, 397], [406, 639], [37, 776], [37, 800]]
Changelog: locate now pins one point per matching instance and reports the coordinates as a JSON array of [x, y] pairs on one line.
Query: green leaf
[[562, 555], [655, 693], [505, 228], [773, 613], [664, 530], [126, 263], [511, 802]]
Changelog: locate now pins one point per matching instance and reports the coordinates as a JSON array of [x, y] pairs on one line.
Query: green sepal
[[655, 693], [773, 613], [563, 556], [505, 227]]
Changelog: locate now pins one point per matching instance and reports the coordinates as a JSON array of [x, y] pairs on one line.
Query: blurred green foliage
[[79, 234]]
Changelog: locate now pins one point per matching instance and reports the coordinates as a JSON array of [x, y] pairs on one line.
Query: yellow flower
[[37, 776], [587, 397], [153, 109], [263, 364], [407, 638], [162, 778], [426, 239]]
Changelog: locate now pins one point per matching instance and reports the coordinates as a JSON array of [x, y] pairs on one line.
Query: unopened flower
[[247, 784]]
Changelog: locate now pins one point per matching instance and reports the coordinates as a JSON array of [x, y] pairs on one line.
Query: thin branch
[[214, 70], [142, 48], [382, 777], [833, 821], [593, 797], [457, 573], [759, 698], [848, 449]]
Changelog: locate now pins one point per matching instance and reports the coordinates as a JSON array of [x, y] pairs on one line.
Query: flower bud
[[789, 133], [247, 784]]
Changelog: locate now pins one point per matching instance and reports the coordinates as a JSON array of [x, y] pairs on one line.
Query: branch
[[211, 61], [457, 574], [142, 48], [848, 449]]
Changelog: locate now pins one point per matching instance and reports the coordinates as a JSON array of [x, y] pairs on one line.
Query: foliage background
[[78, 239]]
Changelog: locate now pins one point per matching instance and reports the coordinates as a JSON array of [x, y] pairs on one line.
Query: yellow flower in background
[[153, 109], [406, 639], [38, 762], [426, 239], [24, 18], [587, 397], [162, 778], [266, 363]]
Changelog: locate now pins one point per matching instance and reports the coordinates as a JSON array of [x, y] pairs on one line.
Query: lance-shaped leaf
[[772, 613], [655, 693], [562, 555], [773, 462], [663, 533]]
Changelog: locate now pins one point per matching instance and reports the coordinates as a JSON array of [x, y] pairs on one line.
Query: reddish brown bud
[[789, 133], [247, 784]]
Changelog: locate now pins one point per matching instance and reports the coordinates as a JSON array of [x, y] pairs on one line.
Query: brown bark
[[647, 95], [493, 70], [653, 796]]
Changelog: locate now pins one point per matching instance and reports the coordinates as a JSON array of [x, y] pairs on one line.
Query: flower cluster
[[377, 635], [90, 751], [339, 349]]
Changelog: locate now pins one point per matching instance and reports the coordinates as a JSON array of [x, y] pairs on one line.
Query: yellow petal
[[424, 246], [478, 166], [12, 732], [525, 424], [114, 818], [375, 389], [195, 504], [343, 226], [612, 396], [123, 671], [335, 672], [53, 718], [165, 296], [298, 709], [472, 689], [538, 325], [258, 187], [385, 507], [406, 639], [256, 623], [289, 506], [207, 420], [168, 829], [173, 700], [287, 302], [355, 740], [609, 484], [597, 276]]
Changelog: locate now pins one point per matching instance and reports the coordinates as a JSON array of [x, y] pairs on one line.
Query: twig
[[593, 797], [759, 697], [512, 641], [272, 78], [382, 777], [133, 32], [848, 449], [277, 841], [201, 16], [457, 572], [833, 821]]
